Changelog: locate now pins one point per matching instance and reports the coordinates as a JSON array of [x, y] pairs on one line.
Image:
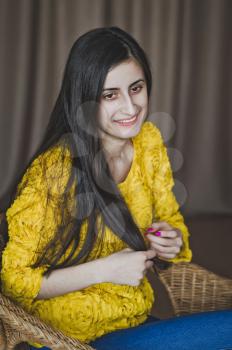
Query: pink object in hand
[[158, 233], [151, 229]]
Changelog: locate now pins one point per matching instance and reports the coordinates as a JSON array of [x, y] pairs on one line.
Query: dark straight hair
[[73, 125]]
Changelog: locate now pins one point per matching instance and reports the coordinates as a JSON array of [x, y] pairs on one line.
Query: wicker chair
[[191, 288]]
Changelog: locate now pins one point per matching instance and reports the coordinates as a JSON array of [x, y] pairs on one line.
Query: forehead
[[124, 73]]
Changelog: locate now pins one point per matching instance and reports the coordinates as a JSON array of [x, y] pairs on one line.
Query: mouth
[[127, 122]]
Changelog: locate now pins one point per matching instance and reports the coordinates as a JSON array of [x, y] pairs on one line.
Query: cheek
[[145, 101], [141, 100], [106, 112]]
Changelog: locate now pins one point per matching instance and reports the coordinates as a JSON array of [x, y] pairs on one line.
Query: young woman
[[77, 254]]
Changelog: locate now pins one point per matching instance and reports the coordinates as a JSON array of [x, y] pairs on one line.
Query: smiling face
[[124, 101]]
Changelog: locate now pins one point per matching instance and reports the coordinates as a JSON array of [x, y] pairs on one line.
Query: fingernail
[[151, 229], [158, 233]]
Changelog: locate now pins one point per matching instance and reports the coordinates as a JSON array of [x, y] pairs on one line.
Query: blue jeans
[[207, 330]]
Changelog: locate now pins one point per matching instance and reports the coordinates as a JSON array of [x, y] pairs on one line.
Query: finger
[[179, 242], [167, 256], [179, 237], [169, 242], [168, 233], [160, 241], [148, 264], [165, 241], [127, 250], [162, 225], [162, 249], [179, 233], [150, 254]]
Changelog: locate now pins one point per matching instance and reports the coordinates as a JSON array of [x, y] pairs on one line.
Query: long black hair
[[73, 126]]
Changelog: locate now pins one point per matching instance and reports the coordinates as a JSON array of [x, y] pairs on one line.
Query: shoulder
[[151, 150], [149, 135], [47, 168], [55, 159], [149, 140]]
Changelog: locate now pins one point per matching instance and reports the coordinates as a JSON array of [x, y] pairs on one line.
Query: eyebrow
[[116, 88]]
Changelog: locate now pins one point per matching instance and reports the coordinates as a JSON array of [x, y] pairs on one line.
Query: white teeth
[[127, 120]]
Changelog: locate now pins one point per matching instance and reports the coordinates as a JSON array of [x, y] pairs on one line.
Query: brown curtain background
[[189, 46]]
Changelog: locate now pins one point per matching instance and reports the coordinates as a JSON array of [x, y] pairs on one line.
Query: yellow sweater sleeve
[[31, 224], [166, 207]]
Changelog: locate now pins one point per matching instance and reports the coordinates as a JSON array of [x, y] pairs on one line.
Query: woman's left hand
[[168, 243]]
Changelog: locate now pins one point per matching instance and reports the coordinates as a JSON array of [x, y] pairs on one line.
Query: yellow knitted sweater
[[101, 308]]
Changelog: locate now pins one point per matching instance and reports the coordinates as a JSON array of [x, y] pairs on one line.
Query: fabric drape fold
[[188, 45]]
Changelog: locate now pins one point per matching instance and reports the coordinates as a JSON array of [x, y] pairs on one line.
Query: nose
[[128, 106]]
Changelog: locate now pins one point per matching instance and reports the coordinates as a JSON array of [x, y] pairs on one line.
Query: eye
[[137, 88], [109, 96]]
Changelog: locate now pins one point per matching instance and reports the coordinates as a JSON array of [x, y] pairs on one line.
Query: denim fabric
[[203, 331], [43, 348]]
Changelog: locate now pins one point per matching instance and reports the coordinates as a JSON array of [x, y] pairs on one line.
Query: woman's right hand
[[128, 266]]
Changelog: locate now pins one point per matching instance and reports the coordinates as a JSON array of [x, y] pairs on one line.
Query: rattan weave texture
[[193, 288]]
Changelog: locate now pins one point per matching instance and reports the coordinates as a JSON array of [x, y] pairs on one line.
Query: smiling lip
[[127, 122]]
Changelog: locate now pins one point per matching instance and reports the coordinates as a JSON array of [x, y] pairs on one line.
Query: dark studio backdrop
[[188, 43]]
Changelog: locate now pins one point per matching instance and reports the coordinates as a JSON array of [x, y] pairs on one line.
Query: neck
[[115, 148]]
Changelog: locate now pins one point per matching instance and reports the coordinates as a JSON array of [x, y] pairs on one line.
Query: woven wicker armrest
[[18, 326], [192, 289]]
